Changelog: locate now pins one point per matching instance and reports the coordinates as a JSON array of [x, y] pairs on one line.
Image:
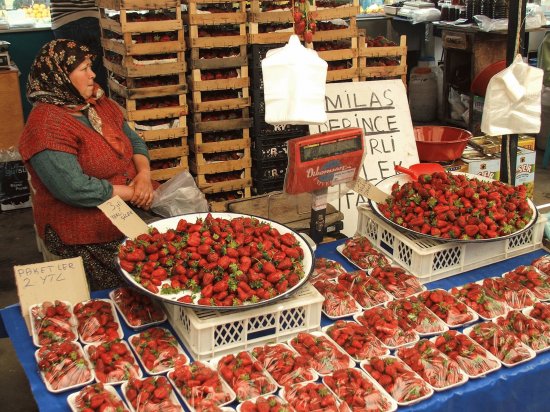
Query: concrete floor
[[19, 248]]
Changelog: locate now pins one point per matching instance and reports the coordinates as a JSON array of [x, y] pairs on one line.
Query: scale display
[[322, 160]]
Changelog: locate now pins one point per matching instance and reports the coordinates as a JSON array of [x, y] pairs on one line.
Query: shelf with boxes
[[382, 59], [145, 55]]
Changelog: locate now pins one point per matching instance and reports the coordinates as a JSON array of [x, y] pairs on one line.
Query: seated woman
[[80, 152]]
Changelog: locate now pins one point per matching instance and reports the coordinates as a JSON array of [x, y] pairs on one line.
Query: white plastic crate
[[210, 333], [431, 260]]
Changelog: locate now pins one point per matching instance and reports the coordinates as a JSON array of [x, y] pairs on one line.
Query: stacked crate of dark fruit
[[144, 53]]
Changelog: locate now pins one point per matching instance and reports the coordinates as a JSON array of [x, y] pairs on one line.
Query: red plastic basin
[[440, 143]]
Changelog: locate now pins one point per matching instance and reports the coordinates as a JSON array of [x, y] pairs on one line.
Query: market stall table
[[524, 387]]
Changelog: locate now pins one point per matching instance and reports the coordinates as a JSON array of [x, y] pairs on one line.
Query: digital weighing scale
[[317, 162]]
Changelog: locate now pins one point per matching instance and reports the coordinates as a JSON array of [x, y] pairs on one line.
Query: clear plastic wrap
[[476, 297], [356, 340], [432, 365], [137, 309], [157, 349], [532, 278], [367, 291], [472, 358], [397, 281], [200, 386], [284, 364], [543, 264], [245, 375], [383, 324], [322, 355], [63, 366], [312, 397], [113, 362], [398, 379], [95, 398], [150, 394], [358, 391], [532, 332], [338, 301], [515, 295], [501, 343], [360, 251], [326, 269], [412, 313], [52, 322], [539, 311], [447, 307], [97, 321], [270, 403]]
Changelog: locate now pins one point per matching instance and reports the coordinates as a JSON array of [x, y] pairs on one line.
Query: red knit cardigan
[[50, 127]]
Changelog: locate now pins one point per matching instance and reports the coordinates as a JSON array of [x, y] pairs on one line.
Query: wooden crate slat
[[218, 63], [254, 37], [197, 145], [327, 35], [224, 186], [219, 125], [341, 54], [143, 48], [220, 167], [215, 18], [137, 4], [283, 16], [216, 206], [221, 41], [133, 70], [163, 134], [390, 51], [351, 73], [146, 92], [382, 71], [220, 84], [141, 26], [168, 152], [195, 2], [165, 174], [343, 12], [225, 104]]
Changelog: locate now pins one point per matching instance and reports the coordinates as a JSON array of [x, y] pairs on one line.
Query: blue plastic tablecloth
[[525, 387]]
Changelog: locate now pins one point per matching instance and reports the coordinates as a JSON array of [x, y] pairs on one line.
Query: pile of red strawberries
[[458, 207], [221, 262]]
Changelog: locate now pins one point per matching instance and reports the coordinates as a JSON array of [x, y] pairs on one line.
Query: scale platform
[[293, 211]]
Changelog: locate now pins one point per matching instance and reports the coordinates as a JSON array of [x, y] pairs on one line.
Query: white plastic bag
[[513, 100], [294, 85], [178, 196], [422, 15]]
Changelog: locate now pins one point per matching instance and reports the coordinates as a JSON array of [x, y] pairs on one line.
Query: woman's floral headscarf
[[49, 82]]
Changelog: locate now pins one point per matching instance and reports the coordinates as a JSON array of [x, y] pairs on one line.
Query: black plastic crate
[[258, 53], [262, 186], [256, 79], [269, 149], [262, 129], [271, 170]]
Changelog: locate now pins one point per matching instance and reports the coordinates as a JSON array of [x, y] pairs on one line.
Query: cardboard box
[[458, 165], [489, 166], [525, 170], [14, 186]]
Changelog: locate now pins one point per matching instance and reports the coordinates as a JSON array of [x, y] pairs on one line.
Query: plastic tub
[[440, 143]]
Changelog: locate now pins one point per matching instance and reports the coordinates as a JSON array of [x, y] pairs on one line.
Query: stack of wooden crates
[[219, 99], [144, 53], [232, 151]]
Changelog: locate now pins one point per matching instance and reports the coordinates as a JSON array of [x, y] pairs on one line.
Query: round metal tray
[[171, 223], [386, 184]]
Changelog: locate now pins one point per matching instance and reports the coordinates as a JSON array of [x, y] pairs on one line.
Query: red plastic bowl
[[481, 81], [440, 143]]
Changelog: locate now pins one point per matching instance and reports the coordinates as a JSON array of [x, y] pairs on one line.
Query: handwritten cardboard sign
[[381, 109], [63, 279], [123, 217]]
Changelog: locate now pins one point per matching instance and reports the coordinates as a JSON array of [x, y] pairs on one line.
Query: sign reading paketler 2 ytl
[[381, 109]]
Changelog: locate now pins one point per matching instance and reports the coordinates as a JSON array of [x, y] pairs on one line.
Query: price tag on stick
[[370, 191], [63, 279], [123, 217]]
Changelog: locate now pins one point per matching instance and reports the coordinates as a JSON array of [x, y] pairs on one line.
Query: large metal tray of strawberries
[[171, 223], [386, 186]]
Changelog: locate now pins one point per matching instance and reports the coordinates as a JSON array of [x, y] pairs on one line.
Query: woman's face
[[82, 78]]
